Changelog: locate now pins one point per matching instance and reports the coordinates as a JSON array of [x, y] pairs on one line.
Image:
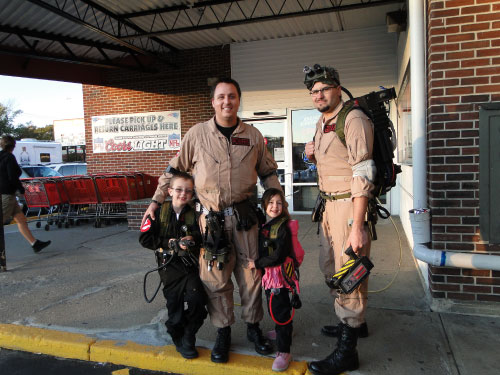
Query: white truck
[[30, 151]]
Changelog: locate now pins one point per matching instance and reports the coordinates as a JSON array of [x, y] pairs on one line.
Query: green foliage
[[7, 116], [28, 130]]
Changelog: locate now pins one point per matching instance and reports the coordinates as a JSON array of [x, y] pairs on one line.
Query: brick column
[[463, 65]]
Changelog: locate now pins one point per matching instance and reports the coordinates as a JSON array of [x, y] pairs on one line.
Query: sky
[[41, 101]]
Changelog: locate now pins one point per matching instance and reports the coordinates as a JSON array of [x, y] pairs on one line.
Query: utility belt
[[228, 211], [334, 197]]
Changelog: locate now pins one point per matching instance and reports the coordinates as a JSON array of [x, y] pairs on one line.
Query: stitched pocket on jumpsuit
[[207, 170]]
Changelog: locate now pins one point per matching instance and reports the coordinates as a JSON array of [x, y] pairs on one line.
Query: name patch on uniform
[[329, 128], [240, 141], [146, 226]]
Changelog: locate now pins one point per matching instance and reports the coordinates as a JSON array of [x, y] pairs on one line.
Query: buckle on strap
[[333, 197], [228, 211]]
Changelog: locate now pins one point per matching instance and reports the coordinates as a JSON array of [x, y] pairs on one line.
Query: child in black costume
[[273, 253], [175, 236]]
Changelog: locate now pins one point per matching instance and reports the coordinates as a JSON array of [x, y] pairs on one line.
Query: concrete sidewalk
[[82, 298]]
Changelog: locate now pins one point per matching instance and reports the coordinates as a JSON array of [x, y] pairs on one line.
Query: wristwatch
[[155, 201]]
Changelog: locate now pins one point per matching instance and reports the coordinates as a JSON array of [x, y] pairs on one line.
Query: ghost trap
[[351, 274]]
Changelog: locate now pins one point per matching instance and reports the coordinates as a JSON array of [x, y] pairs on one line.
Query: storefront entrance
[[285, 139]]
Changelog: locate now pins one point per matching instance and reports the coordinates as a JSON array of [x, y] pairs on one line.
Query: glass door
[[302, 174], [274, 137]]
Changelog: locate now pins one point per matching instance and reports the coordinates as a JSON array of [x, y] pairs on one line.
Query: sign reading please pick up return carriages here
[[152, 131]]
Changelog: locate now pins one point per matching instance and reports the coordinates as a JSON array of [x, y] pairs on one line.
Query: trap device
[[351, 274]]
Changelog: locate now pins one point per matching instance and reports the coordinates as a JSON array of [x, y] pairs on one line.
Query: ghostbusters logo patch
[[240, 141], [146, 226]]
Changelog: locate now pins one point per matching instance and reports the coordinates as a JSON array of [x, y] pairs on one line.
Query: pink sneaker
[[282, 361]]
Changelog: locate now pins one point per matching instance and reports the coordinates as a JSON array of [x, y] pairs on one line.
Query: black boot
[[254, 334], [177, 339], [220, 352], [187, 347], [344, 357], [334, 331]]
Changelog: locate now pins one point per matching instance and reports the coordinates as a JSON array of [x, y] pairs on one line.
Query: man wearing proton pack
[[346, 173], [225, 156]]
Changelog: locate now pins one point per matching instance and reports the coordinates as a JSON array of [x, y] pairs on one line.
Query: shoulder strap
[[164, 218], [339, 127], [190, 219], [273, 234]]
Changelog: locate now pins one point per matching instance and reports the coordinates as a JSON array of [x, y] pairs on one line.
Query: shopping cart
[[42, 194], [82, 199], [114, 191], [150, 184]]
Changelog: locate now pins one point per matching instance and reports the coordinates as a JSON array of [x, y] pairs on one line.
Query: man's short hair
[[182, 175], [225, 80], [7, 143]]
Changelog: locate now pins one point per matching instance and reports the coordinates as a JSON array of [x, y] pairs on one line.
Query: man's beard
[[324, 109]]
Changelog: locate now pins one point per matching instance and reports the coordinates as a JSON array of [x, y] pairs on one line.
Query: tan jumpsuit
[[225, 173], [334, 162]]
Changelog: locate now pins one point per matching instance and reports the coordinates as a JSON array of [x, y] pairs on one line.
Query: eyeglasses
[[323, 90], [187, 191]]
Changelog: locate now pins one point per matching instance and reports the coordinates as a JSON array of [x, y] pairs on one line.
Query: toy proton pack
[[214, 241]]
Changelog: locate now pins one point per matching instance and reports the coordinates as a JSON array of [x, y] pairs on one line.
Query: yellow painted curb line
[[127, 353], [166, 358], [45, 341]]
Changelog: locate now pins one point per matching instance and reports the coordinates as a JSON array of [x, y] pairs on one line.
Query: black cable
[[159, 285]]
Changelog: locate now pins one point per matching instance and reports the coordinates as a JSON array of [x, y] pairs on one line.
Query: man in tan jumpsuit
[[345, 175], [225, 157]]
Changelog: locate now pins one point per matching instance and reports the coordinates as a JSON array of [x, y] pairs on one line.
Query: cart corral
[[65, 201]]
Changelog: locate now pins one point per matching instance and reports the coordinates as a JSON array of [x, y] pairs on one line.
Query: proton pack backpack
[[384, 144], [384, 136], [285, 275]]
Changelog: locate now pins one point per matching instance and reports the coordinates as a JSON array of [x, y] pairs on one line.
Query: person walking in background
[[225, 157], [176, 237], [346, 173], [9, 185]]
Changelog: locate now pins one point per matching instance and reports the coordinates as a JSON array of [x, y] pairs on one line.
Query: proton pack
[[373, 105]]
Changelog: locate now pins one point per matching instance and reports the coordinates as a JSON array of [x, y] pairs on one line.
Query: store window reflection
[[274, 137], [305, 174]]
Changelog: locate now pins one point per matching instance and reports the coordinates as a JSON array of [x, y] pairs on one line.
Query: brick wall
[[463, 65], [184, 88]]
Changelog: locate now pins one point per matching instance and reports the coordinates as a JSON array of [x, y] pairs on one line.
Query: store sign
[[152, 131]]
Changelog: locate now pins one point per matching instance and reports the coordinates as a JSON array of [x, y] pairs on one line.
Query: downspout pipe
[[441, 258], [421, 251], [418, 102]]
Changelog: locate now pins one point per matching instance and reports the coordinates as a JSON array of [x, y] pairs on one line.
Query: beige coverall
[[334, 162], [226, 173]]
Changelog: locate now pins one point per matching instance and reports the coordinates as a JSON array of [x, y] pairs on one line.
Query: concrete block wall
[[463, 65]]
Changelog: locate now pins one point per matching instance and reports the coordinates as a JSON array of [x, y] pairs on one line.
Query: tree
[[7, 116], [28, 130]]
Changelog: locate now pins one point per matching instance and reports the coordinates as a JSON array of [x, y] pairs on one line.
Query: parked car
[[38, 171], [70, 169]]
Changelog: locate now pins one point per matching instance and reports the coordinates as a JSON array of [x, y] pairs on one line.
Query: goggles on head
[[320, 73]]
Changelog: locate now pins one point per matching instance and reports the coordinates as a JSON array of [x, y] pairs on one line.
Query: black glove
[[245, 215]]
